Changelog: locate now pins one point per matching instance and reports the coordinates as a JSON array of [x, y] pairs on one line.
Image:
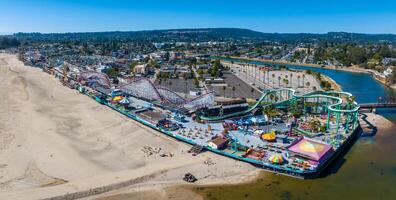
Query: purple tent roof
[[311, 149]]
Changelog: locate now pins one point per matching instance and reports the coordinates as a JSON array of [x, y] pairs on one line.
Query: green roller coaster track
[[334, 102]]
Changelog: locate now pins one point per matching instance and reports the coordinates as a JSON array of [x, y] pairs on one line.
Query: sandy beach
[[58, 143]]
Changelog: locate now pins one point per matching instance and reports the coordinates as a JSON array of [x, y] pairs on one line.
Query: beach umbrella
[[276, 159]]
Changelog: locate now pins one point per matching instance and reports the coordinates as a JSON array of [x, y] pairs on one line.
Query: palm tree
[[254, 94], [279, 78], [233, 91], [350, 101], [271, 96], [298, 81], [285, 80], [263, 77], [303, 76], [224, 90], [185, 83], [291, 80], [273, 77], [165, 78], [308, 84]]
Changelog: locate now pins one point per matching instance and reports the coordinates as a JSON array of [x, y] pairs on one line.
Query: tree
[[291, 80], [196, 82], [132, 66], [224, 91], [252, 91], [384, 51], [308, 84], [273, 79], [271, 96], [298, 81], [165, 76], [286, 81], [279, 78], [357, 55], [7, 42], [185, 83], [263, 77], [112, 72], [200, 72], [295, 110], [303, 77], [270, 111], [350, 101], [233, 91]]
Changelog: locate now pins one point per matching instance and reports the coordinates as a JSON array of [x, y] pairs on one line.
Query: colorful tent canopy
[[124, 101], [311, 149], [276, 159]]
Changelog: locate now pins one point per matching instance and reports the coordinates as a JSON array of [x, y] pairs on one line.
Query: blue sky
[[283, 16]]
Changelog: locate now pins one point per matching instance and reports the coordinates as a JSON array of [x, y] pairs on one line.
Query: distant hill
[[207, 34]]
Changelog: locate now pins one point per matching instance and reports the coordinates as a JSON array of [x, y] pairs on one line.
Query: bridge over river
[[377, 105], [382, 102]]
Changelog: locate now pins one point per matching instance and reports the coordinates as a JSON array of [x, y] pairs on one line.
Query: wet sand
[[56, 142]]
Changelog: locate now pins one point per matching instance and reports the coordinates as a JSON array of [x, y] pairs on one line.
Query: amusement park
[[282, 131]]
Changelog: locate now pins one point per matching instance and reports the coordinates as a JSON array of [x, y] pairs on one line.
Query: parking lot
[[178, 85], [241, 88]]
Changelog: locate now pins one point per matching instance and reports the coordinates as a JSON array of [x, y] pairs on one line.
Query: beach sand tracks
[[21, 85], [33, 177]]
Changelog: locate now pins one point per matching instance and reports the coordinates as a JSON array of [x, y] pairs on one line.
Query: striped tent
[[124, 101], [276, 159]]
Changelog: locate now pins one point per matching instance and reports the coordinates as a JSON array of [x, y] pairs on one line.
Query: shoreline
[[334, 84], [331, 67]]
